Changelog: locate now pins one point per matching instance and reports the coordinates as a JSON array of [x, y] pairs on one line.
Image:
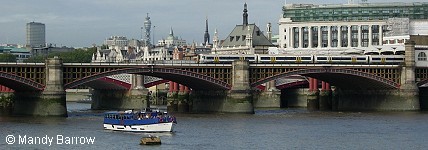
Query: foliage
[[7, 57], [104, 46], [5, 101], [76, 56]]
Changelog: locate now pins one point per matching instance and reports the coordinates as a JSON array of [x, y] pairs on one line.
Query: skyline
[[81, 23]]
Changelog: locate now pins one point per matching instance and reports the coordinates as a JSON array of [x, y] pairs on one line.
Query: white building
[[171, 40], [310, 26], [120, 41]]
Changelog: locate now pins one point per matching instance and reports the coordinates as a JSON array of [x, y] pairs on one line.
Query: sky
[[81, 23]]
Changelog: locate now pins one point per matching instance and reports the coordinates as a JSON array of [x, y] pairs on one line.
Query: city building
[[20, 53], [45, 50], [244, 39], [352, 25], [120, 41], [171, 40], [36, 34], [115, 54]]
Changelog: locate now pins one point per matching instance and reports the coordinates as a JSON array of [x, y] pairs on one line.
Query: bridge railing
[[16, 63], [323, 65], [147, 63]]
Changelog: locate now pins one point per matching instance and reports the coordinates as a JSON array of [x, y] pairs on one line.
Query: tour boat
[[139, 121]]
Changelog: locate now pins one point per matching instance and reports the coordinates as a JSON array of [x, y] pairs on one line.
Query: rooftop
[[392, 4]]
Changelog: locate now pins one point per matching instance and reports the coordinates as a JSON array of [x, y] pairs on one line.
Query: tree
[[7, 57], [76, 56]]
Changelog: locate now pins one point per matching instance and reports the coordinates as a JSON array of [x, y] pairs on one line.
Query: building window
[[334, 38], [354, 36], [314, 36], [324, 36], [375, 35], [422, 56], [296, 37], [365, 36], [305, 37]]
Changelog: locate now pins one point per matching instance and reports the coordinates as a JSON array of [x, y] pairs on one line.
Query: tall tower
[[206, 35], [269, 31], [36, 35], [147, 26], [249, 38], [215, 39], [245, 15]]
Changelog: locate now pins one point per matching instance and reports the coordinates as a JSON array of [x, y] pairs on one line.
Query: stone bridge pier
[[237, 100], [134, 98], [402, 99], [51, 101], [269, 98]]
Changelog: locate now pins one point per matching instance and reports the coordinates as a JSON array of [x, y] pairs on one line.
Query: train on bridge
[[304, 59]]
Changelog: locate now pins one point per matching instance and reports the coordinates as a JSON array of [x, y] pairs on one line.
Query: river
[[293, 128]]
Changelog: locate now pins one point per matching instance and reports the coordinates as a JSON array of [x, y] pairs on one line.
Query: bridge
[[40, 87]]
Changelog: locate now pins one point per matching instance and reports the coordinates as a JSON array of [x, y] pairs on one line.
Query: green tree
[[7, 57], [36, 59], [76, 56]]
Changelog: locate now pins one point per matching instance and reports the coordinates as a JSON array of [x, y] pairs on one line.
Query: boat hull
[[159, 127]]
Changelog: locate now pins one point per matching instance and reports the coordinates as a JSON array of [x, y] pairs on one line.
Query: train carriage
[[284, 59], [386, 59], [213, 58], [352, 59]]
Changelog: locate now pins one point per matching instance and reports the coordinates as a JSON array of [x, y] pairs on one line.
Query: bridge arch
[[188, 78], [18, 83], [292, 84], [343, 78], [421, 83]]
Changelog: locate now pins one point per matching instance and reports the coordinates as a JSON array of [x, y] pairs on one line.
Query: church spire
[[245, 15], [206, 35], [171, 32]]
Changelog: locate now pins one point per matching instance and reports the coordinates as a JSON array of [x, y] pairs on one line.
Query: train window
[[375, 58], [285, 58], [341, 58], [264, 58], [422, 56], [395, 59], [232, 58], [249, 58], [322, 58], [306, 58], [210, 57], [359, 58]]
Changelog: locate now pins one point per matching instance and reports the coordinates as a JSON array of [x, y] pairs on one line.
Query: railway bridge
[[40, 87]]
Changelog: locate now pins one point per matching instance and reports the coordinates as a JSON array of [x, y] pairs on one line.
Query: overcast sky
[[81, 23]]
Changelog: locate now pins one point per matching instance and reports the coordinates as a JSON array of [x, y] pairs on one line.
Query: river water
[[266, 129]]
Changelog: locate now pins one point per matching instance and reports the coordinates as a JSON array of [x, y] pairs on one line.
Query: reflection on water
[[266, 129]]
